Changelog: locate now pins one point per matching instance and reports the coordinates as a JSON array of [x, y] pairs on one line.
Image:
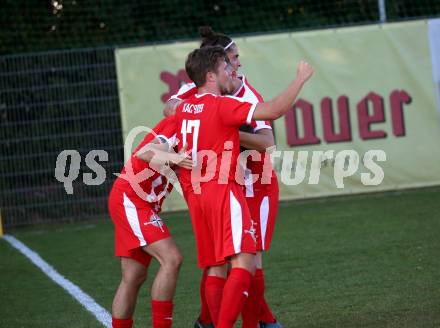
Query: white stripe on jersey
[[133, 220], [264, 217], [184, 88], [261, 125], [251, 114], [240, 99], [236, 222], [249, 95], [204, 94]]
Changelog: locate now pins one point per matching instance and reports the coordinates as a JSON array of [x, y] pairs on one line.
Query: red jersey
[[248, 94], [138, 180], [209, 124]]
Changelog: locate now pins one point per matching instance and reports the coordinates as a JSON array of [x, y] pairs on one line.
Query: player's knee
[[244, 260], [134, 278], [176, 260], [173, 261]]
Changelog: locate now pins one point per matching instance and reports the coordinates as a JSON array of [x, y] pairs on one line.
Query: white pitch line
[[101, 314]]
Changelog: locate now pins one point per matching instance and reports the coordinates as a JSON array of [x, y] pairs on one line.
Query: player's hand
[[183, 158], [184, 162], [304, 71], [170, 107]]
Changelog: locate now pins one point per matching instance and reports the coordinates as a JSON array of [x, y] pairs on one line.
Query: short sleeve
[[235, 111], [187, 90], [166, 131], [259, 125]]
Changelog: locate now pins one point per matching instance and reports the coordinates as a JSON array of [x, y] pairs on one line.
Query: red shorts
[[221, 222], [263, 206], [136, 226]]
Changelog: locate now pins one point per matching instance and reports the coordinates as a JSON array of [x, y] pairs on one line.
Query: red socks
[[162, 313], [122, 323], [235, 293], [251, 309], [266, 314], [214, 291], [204, 316]]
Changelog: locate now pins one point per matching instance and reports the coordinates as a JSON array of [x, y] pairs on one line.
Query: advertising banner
[[367, 120]]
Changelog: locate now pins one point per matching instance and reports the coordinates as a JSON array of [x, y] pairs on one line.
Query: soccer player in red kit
[[208, 123], [134, 203], [261, 194]]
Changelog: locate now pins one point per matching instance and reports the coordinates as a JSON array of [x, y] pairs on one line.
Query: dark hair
[[203, 60], [211, 38]]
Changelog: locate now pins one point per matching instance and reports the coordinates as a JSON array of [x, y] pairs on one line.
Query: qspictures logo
[[293, 166]]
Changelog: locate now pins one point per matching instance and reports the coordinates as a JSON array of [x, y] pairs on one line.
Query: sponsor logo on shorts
[[252, 231], [155, 221]]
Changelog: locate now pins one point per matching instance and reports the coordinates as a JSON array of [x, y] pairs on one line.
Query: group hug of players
[[233, 216]]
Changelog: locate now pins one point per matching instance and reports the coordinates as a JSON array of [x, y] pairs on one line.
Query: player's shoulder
[[165, 122], [166, 128], [206, 97], [187, 86], [231, 98], [185, 91], [192, 98], [245, 81], [249, 91], [195, 104]]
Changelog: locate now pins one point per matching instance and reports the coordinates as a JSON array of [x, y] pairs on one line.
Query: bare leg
[[259, 260], [133, 276], [245, 261], [170, 259], [218, 271]]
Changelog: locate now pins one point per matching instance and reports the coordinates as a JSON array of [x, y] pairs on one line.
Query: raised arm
[[278, 106]]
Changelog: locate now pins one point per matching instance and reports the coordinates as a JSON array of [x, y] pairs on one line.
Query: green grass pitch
[[359, 261]]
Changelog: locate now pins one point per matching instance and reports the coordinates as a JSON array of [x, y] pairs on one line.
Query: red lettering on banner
[[365, 119], [370, 110], [328, 124], [293, 138], [397, 100]]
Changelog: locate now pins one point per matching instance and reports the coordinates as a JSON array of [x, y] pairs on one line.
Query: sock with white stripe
[[251, 308], [162, 313], [235, 293]]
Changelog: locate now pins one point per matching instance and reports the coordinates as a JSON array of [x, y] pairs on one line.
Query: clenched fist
[[304, 71]]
